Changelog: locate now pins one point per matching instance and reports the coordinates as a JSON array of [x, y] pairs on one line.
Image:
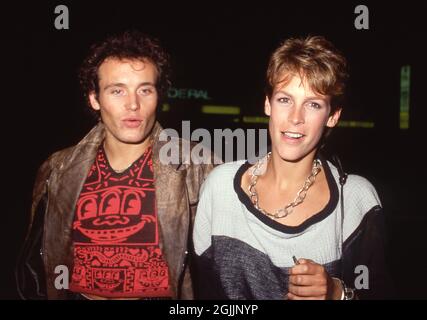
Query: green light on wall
[[356, 124], [221, 110], [342, 124], [166, 107], [405, 77], [251, 119]]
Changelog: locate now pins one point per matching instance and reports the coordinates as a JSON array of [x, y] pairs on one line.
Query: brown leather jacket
[[56, 190]]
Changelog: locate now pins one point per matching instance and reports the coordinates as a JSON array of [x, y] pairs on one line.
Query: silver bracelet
[[347, 292]]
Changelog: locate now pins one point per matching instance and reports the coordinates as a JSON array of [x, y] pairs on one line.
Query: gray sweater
[[243, 254]]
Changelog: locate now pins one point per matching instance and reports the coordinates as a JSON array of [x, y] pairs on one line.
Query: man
[[108, 209]]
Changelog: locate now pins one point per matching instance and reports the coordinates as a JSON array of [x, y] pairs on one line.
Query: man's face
[[127, 99], [298, 117]]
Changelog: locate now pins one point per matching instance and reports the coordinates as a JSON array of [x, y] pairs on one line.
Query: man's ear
[[333, 118], [267, 107], [94, 101]]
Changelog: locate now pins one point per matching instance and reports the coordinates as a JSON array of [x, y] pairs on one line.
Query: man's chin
[[134, 141]]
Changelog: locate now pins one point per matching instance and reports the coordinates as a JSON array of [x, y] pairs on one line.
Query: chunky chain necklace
[[285, 211]]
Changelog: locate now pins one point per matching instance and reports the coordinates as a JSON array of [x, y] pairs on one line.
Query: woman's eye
[[283, 100], [315, 105]]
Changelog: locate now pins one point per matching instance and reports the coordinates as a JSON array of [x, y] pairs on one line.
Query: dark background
[[223, 48]]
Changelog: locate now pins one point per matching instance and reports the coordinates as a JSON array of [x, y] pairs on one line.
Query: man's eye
[[116, 91], [146, 91]]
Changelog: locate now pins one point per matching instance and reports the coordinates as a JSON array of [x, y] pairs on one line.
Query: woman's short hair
[[316, 61]]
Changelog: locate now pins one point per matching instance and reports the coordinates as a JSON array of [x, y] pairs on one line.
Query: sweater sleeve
[[364, 258], [206, 282]]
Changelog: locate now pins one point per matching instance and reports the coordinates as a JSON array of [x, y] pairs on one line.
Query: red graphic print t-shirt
[[115, 233]]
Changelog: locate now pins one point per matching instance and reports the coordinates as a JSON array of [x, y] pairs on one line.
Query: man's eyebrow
[[122, 85], [116, 84]]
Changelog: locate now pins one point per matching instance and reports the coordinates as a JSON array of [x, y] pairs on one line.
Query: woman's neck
[[285, 175]]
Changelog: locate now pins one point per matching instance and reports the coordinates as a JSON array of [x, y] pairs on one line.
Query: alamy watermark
[[362, 20], [62, 20], [224, 143]]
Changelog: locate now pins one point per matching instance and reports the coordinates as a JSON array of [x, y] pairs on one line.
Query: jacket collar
[[88, 147]]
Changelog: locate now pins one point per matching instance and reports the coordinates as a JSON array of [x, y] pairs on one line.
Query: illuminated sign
[[355, 124], [184, 93], [227, 110], [405, 75], [255, 119]]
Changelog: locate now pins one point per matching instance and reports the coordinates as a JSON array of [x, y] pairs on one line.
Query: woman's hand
[[309, 280]]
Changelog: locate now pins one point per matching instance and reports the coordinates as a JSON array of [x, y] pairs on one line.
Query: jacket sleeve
[[195, 178], [29, 270], [365, 258]]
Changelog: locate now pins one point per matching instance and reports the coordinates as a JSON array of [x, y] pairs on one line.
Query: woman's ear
[[333, 119], [267, 106], [94, 101]]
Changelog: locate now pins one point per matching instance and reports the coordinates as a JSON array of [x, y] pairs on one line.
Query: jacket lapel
[[172, 212], [65, 185]]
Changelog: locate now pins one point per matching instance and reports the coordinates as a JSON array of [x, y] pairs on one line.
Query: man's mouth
[[132, 122]]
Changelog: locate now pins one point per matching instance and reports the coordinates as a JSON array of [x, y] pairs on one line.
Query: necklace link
[[288, 209]]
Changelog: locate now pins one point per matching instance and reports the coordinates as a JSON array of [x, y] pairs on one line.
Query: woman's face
[[298, 117]]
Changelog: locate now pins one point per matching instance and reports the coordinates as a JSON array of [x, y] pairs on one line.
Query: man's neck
[[121, 155]]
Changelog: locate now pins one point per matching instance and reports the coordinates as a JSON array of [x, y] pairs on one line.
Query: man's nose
[[133, 102]]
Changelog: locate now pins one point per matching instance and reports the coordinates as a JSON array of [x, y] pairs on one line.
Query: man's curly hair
[[132, 45]]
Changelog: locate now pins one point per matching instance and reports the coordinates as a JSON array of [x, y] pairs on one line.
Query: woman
[[275, 229]]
